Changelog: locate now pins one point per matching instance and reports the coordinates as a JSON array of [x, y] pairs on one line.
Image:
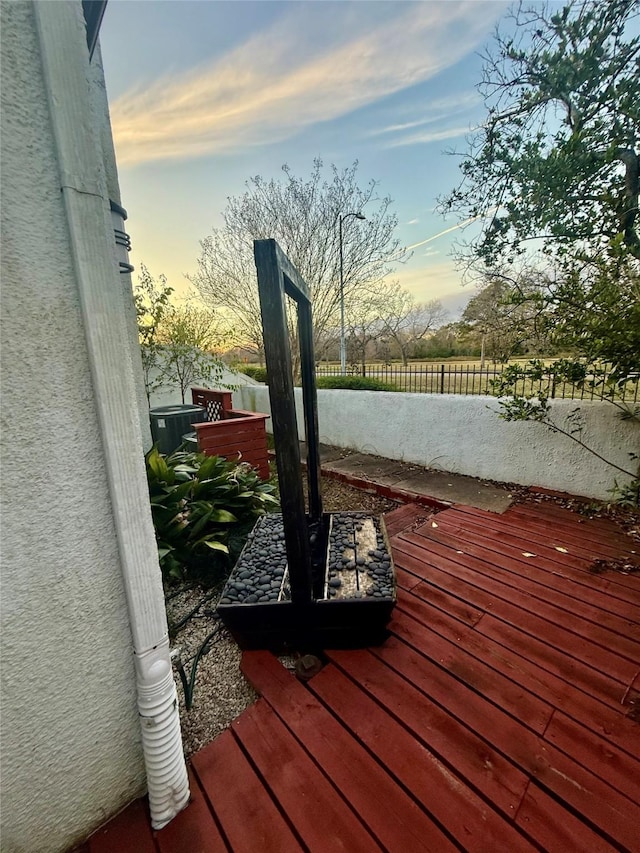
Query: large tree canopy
[[557, 158], [554, 173], [303, 216]]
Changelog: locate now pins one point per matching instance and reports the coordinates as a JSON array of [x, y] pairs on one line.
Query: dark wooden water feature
[[306, 579]]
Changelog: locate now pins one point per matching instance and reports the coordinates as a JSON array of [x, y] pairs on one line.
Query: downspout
[[65, 62]]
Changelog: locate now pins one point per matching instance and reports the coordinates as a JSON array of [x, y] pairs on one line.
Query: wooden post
[[272, 288]]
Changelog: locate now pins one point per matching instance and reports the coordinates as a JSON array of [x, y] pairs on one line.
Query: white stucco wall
[[71, 754], [464, 435], [170, 395]]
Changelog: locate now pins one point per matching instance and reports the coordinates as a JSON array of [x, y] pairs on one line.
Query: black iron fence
[[472, 379]]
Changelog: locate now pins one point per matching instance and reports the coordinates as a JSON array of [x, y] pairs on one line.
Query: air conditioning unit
[[170, 423]]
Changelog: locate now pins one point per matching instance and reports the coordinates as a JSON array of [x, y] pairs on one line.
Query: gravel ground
[[221, 692]]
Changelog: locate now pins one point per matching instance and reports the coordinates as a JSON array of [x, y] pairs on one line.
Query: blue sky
[[205, 94]]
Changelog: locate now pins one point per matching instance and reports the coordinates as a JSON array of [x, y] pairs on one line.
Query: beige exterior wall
[[71, 753]]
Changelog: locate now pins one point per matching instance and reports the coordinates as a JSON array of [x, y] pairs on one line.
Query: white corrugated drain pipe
[[74, 113]]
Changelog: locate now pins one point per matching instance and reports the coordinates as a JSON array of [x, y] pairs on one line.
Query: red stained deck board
[[454, 662], [619, 769], [463, 610], [248, 816], [543, 586], [612, 542], [555, 770], [555, 829], [601, 530], [459, 747], [624, 587], [512, 556], [128, 832], [405, 579], [405, 516], [396, 821], [554, 513], [411, 567], [605, 650], [303, 792], [194, 829], [473, 823], [606, 720], [529, 540], [574, 671]]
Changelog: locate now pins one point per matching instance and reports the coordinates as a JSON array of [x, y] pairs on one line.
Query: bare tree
[[302, 215], [189, 341], [406, 321], [365, 321]]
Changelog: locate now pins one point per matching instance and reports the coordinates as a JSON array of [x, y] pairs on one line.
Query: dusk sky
[[205, 94]]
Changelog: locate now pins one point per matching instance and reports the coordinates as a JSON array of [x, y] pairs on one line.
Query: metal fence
[[471, 379]]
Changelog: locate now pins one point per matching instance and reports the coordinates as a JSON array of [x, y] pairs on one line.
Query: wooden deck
[[501, 714]]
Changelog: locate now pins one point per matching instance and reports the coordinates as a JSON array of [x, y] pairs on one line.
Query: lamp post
[[343, 344]]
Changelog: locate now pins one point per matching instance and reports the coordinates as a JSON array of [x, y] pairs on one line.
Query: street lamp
[[343, 345]]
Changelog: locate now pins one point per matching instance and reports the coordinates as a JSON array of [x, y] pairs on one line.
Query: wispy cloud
[[413, 222], [435, 111], [299, 72], [427, 136]]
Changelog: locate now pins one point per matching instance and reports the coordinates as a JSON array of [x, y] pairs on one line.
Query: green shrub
[[203, 508], [254, 371], [354, 383]]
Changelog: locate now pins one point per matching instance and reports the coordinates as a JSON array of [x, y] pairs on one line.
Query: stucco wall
[[169, 395], [464, 435], [70, 734]]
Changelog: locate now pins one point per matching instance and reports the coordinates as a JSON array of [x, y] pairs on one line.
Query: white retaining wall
[[169, 395], [465, 435]]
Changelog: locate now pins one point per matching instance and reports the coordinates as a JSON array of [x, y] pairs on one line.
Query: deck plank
[[500, 714], [405, 517], [247, 814], [394, 819], [606, 650], [606, 719], [322, 818], [502, 541], [581, 789], [128, 832], [557, 830], [499, 688], [194, 829], [542, 587], [458, 746], [598, 589], [609, 541], [473, 822]]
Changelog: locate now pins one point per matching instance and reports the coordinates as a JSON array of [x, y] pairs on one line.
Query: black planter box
[[354, 587]]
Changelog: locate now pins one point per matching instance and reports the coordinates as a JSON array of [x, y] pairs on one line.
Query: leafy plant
[[152, 301], [255, 372], [203, 507], [354, 383], [535, 405]]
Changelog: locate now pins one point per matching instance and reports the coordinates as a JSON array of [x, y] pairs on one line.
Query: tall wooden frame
[[277, 280]]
